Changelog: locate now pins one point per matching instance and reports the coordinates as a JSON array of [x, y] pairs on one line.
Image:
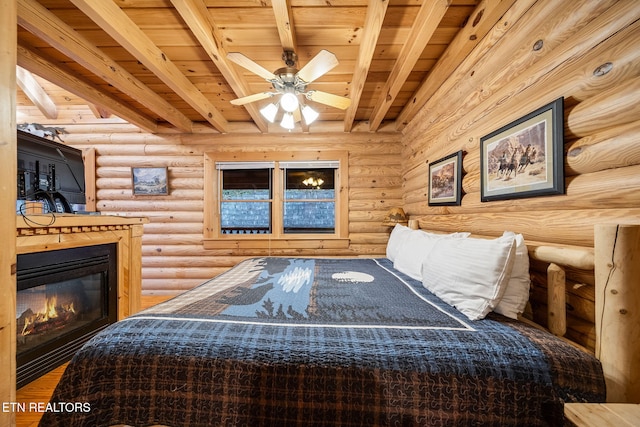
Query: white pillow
[[516, 295], [470, 274], [413, 251], [415, 247], [398, 235]]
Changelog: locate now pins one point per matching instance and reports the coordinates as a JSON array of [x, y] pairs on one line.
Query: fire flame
[[48, 312], [27, 323], [50, 308]]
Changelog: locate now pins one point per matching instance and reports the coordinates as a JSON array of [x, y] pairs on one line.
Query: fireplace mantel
[[44, 232]]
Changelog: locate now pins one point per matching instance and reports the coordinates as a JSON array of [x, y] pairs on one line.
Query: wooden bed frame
[[614, 265], [617, 277]]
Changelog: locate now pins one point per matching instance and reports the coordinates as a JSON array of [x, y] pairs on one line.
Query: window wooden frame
[[214, 239]]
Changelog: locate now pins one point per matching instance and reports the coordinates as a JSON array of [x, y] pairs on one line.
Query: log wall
[[584, 51], [173, 255]]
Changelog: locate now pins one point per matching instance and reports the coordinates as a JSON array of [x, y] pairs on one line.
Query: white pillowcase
[[516, 295], [413, 251], [470, 274], [399, 234], [416, 246]]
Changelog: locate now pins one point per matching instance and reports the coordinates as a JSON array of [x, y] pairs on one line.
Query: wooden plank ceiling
[[162, 65]]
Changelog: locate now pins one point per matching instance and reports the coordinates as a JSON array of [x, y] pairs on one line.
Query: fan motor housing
[[288, 81]]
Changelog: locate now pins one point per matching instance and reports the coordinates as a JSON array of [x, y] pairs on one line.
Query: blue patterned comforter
[[319, 342]]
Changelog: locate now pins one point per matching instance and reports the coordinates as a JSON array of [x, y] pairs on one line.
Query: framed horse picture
[[445, 181], [526, 157]]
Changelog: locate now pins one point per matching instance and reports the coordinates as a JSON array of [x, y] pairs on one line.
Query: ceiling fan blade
[[247, 63], [252, 98], [341, 102], [319, 64], [296, 115]]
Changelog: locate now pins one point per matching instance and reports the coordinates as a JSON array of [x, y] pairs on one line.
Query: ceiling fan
[[289, 83]]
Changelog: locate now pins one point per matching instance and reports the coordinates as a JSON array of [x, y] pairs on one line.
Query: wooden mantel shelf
[[47, 232], [49, 221]]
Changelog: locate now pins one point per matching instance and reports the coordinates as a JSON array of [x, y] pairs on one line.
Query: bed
[[318, 342]]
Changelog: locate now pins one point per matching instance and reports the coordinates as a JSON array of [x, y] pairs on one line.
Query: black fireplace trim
[[56, 266], [32, 369]]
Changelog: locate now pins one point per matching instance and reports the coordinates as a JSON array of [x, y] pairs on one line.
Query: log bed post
[[556, 300], [617, 274]]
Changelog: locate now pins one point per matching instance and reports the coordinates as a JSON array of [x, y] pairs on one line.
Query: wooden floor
[[39, 391]]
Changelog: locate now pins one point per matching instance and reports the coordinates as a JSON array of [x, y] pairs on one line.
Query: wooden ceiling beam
[[41, 22], [483, 19], [376, 11], [121, 28], [36, 93], [67, 79], [99, 112], [425, 24], [200, 22], [284, 22]]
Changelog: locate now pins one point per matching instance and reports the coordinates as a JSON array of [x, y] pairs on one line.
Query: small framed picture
[[445, 181], [526, 157], [149, 181]]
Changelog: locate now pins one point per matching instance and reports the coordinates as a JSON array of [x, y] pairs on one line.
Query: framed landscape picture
[[149, 181], [445, 181], [526, 157]]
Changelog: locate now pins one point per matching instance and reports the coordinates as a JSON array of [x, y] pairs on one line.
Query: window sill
[[281, 243]]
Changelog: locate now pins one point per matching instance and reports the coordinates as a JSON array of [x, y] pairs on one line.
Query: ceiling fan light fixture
[[269, 112], [310, 115], [288, 84], [289, 102], [287, 121]]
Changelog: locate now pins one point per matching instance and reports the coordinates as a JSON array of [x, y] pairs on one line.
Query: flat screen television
[[50, 172]]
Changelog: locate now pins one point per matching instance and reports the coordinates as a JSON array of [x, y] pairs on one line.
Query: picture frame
[[149, 181], [526, 157], [445, 181]]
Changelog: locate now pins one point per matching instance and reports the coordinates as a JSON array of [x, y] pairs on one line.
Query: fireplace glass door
[[64, 298]]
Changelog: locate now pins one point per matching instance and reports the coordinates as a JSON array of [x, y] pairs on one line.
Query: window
[[309, 197], [245, 198], [253, 197]]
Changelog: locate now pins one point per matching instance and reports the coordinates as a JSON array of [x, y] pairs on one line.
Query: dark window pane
[[310, 179], [246, 179]]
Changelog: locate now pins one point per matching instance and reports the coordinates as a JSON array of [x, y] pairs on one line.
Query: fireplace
[[64, 297]]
